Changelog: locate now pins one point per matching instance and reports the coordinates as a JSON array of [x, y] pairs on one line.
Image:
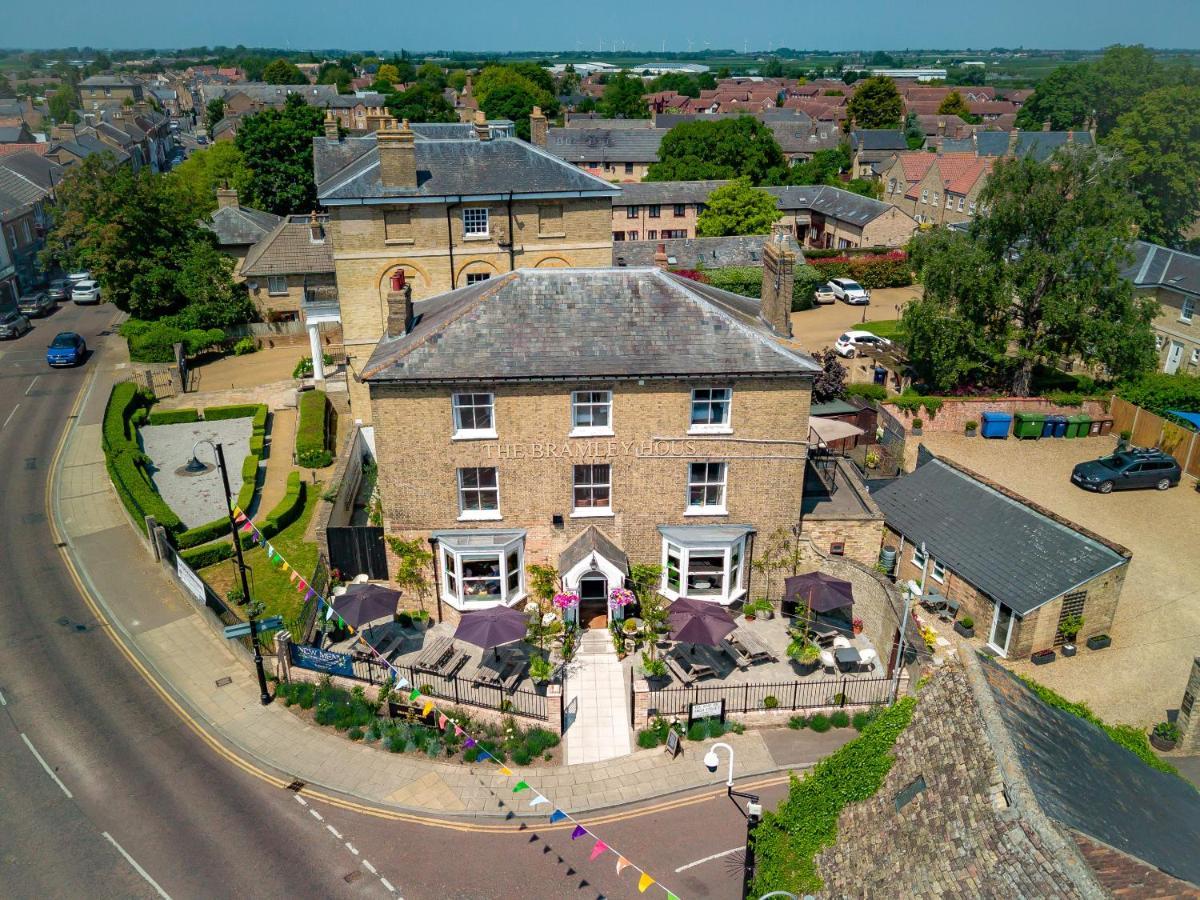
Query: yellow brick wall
[[1170, 327], [418, 460], [893, 229]]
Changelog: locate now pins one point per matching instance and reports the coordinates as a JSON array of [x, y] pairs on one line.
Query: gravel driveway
[[1156, 633]]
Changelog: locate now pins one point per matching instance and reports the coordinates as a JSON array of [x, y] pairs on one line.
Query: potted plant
[[1123, 440], [756, 608], [857, 625], [655, 670], [1165, 736], [916, 426], [1041, 657], [965, 626], [1098, 641], [970, 427], [540, 669], [804, 652], [871, 459], [1068, 628]]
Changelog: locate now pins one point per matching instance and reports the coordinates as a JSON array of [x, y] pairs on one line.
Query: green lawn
[[268, 582], [885, 328]]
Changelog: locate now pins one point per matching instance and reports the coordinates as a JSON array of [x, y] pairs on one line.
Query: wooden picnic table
[[435, 655], [730, 649], [753, 644], [683, 676]]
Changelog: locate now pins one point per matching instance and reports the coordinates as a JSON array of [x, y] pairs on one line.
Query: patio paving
[[596, 702], [196, 499]]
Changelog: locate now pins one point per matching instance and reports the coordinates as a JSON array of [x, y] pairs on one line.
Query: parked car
[[850, 291], [59, 289], [1128, 470], [35, 305], [81, 275], [13, 325], [86, 292], [824, 294], [852, 343], [201, 139], [67, 349]]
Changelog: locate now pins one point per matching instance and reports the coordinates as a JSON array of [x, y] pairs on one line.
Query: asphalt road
[[106, 792]]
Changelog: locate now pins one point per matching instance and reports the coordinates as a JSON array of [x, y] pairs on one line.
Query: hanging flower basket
[[619, 598], [565, 601]]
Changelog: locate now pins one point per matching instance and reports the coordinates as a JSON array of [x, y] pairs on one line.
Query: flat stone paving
[[596, 702], [196, 499]]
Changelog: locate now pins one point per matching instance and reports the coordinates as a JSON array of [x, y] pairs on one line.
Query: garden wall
[[955, 412]]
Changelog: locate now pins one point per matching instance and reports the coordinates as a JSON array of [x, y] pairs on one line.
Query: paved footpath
[[178, 643], [596, 702]]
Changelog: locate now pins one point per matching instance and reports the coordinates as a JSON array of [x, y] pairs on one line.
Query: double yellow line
[[509, 827]]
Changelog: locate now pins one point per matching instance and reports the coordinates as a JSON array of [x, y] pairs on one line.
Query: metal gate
[[355, 549]]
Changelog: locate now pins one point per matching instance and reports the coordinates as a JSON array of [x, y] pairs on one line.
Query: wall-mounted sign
[[714, 709]]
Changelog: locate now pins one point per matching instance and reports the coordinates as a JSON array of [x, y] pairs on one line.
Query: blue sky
[[632, 24]]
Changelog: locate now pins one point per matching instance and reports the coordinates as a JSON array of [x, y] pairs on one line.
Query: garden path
[[596, 702]]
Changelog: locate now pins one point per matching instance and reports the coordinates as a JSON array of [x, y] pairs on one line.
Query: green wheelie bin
[[1078, 425], [1028, 424]]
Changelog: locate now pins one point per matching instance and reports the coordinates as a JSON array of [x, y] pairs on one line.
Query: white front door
[[1002, 621], [1174, 357]]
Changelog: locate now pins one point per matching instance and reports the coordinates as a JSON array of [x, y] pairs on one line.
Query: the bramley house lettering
[[645, 449]]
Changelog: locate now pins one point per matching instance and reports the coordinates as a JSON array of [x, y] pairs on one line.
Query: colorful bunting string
[[599, 848]]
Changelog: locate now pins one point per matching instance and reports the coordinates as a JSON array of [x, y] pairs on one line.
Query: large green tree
[[214, 112], [276, 145], [679, 82], [1160, 137], [1036, 280], [511, 82], [737, 208], [953, 104], [876, 104], [421, 103], [196, 180], [62, 105], [6, 90], [281, 71], [623, 98], [513, 102], [725, 148]]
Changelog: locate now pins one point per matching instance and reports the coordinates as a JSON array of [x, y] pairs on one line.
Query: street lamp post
[[752, 812], [251, 610]]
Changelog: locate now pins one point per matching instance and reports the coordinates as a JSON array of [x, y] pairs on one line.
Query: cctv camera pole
[[752, 812]]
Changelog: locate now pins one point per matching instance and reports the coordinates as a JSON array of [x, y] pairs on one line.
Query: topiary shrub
[[647, 739], [770, 702], [840, 719], [202, 534], [173, 416], [819, 723], [311, 440], [797, 722], [867, 390]]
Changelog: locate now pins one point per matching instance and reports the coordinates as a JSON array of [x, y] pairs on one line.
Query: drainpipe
[[512, 238], [450, 243], [437, 582]]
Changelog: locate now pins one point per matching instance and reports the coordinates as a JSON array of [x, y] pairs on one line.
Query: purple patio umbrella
[[489, 628], [819, 592], [363, 603], [699, 622]]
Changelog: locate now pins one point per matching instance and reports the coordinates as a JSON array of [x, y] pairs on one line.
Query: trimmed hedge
[[173, 416], [238, 411], [256, 444], [124, 400], [137, 492], [288, 509], [207, 556], [312, 449], [202, 534], [868, 390], [893, 270], [249, 482]]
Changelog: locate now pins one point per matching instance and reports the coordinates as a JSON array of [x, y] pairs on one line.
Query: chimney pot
[[227, 197], [537, 127], [331, 126], [397, 154], [1046, 125], [399, 307], [482, 132], [316, 230], [660, 256], [779, 275]]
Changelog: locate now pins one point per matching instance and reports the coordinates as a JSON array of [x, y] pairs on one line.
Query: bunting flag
[[401, 684], [469, 742], [598, 849], [293, 576], [579, 832], [622, 863], [442, 720], [557, 816], [286, 567], [415, 695], [249, 526], [505, 770], [521, 786], [538, 799], [644, 882], [427, 708], [458, 732]]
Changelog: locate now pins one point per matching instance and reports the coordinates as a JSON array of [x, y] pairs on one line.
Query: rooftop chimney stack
[[331, 126], [1013, 137], [779, 274], [399, 306], [316, 229], [227, 197], [537, 127], [482, 132], [397, 155], [660, 256], [1046, 125]]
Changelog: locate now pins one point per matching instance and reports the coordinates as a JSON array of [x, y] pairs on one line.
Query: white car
[[852, 343], [76, 277], [824, 294], [850, 291], [87, 291]]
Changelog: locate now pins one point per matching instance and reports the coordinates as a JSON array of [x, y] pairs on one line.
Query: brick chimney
[[397, 155], [227, 197], [316, 229], [1046, 125], [779, 273], [537, 127], [331, 126], [660, 256], [482, 132], [1013, 137], [399, 306], [941, 127], [1070, 137]]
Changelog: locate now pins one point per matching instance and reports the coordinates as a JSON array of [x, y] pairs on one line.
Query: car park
[[824, 294], [852, 343], [13, 325], [67, 349], [1128, 470], [59, 289], [850, 291], [35, 305], [86, 292]]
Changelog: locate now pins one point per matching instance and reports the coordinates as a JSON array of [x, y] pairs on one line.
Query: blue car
[[67, 349]]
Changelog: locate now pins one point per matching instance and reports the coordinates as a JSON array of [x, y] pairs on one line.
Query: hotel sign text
[[645, 449]]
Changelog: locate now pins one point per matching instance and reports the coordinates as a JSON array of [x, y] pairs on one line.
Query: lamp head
[[195, 466], [711, 761]]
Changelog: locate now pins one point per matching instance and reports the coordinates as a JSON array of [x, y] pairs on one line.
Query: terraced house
[[1172, 277], [446, 206]]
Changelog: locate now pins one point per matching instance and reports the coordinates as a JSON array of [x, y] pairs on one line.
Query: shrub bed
[[137, 493], [867, 391], [892, 270], [288, 509], [208, 555], [249, 482], [123, 402], [311, 439], [172, 416], [155, 341], [202, 534]]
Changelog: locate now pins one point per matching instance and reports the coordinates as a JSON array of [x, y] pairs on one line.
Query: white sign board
[[190, 579]]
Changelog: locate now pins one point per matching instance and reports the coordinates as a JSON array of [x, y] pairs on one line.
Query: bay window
[[481, 567], [704, 562]]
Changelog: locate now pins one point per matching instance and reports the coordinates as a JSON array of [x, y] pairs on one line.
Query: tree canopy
[[1036, 280], [623, 98], [281, 71], [1063, 98], [679, 82], [510, 92], [62, 105], [421, 103], [276, 145], [953, 104], [725, 148], [197, 178], [876, 104], [737, 208], [214, 112]]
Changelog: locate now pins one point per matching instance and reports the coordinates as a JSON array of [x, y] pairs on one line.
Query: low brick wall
[[956, 412]]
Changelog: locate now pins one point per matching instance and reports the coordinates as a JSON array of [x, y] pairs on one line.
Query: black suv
[[1128, 470]]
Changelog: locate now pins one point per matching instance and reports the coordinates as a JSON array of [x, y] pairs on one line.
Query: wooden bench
[[739, 659], [681, 674], [435, 655], [753, 645]]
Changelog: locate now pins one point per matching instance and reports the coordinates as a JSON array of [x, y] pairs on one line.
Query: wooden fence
[[1150, 430]]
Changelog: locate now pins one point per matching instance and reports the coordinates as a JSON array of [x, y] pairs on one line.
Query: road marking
[[31, 384], [387, 884], [49, 771], [334, 832], [708, 859], [3, 702], [350, 847], [301, 800], [370, 868], [10, 415], [316, 815], [133, 862]]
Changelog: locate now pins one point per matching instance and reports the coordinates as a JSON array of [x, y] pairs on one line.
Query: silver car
[[13, 325]]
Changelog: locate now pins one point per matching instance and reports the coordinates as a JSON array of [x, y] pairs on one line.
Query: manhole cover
[[351, 877], [297, 785], [221, 682]]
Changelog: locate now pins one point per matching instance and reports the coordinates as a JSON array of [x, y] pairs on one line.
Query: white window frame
[[476, 277], [578, 403], [1158, 342], [459, 403], [937, 571], [918, 558], [961, 200], [707, 482], [273, 282], [476, 222], [477, 515], [1195, 355], [1187, 310], [949, 202], [925, 196], [733, 575], [725, 427], [581, 512], [453, 583], [971, 209]]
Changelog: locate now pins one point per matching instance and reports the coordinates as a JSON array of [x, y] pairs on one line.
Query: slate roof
[[830, 201], [1001, 545], [18, 190], [691, 253], [35, 168], [592, 540], [349, 101], [605, 144], [86, 144], [878, 139], [665, 193], [1038, 144], [805, 136], [240, 225], [314, 94], [109, 81], [12, 134], [583, 323], [1085, 781], [290, 250], [1155, 266], [444, 131]]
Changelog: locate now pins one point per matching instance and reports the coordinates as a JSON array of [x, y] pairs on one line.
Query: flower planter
[[1161, 743], [1098, 641], [1069, 649], [970, 432], [964, 631], [1041, 657], [916, 432]]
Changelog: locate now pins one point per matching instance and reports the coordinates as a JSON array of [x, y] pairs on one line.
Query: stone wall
[[892, 229], [956, 412], [1189, 711], [861, 532]]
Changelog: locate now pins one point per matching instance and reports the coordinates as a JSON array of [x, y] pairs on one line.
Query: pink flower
[[566, 600], [620, 597]]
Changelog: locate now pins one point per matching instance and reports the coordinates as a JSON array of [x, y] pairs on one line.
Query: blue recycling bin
[[996, 424], [1048, 427], [1060, 426]]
